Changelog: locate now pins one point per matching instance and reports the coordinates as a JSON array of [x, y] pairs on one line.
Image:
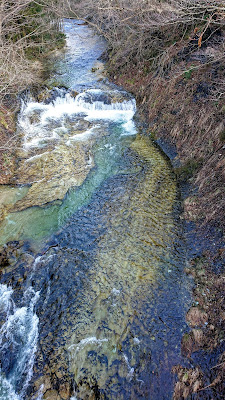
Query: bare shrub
[[137, 31], [146, 31], [26, 29]]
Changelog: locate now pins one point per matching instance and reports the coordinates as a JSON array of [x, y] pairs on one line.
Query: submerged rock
[[8, 197]]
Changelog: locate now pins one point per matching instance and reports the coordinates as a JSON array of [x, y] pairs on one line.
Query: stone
[[73, 93], [3, 257], [47, 179], [51, 395], [195, 317], [197, 385], [191, 209], [81, 125], [43, 381], [64, 391], [198, 336]]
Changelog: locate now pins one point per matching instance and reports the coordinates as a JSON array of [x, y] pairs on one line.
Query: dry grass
[[26, 29], [206, 321], [181, 109], [148, 30]]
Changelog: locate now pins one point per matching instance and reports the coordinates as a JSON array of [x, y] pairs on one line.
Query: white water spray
[[18, 337], [41, 122]]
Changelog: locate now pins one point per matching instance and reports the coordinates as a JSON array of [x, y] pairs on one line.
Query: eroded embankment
[[187, 110]]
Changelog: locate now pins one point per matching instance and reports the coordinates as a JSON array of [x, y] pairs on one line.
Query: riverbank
[[185, 111]]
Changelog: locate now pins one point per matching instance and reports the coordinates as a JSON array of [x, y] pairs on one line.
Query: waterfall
[[45, 122]]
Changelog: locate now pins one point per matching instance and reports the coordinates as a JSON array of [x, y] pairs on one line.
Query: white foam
[[7, 391], [130, 374], [84, 135], [5, 298], [31, 159], [86, 342], [41, 122], [19, 333], [129, 128], [116, 292]]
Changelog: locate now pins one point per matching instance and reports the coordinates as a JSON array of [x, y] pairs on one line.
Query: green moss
[[154, 103], [3, 121], [222, 136], [131, 81], [186, 337], [188, 74], [153, 135], [5, 159], [55, 40], [188, 170], [40, 27]]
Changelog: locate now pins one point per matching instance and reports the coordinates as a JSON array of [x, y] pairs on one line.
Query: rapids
[[93, 294]]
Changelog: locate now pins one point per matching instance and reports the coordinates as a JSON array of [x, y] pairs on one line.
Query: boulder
[[196, 318], [51, 395], [52, 173]]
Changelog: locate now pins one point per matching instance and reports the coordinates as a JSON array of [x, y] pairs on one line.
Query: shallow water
[[103, 302]]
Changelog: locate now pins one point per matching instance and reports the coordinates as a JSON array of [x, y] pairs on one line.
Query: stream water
[[93, 294]]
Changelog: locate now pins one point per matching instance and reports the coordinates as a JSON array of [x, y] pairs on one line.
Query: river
[[93, 294]]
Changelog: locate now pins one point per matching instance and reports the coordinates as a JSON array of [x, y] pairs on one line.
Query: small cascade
[[18, 341], [98, 100], [41, 122]]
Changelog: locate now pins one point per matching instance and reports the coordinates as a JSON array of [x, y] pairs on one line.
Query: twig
[[218, 365]]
